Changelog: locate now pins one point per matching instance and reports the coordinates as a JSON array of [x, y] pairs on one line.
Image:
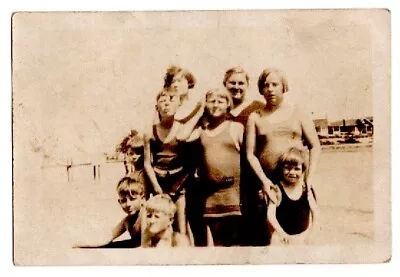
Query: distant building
[[334, 128], [361, 126], [321, 126]]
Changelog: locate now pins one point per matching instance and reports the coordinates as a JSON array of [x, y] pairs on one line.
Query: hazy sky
[[85, 79]]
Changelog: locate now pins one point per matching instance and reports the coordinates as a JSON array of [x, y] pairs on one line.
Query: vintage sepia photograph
[[201, 137]]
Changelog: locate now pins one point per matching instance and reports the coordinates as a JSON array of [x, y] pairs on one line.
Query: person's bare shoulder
[[180, 240], [237, 127]]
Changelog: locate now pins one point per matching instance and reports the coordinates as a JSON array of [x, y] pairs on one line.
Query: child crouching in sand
[[131, 198], [157, 224], [294, 215]]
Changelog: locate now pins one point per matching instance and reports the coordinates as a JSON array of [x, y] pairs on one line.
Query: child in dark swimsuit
[[294, 215], [166, 163]]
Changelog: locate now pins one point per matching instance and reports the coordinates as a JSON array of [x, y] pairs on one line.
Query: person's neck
[[167, 122], [164, 236], [238, 103], [239, 107], [216, 121], [292, 185], [272, 108]]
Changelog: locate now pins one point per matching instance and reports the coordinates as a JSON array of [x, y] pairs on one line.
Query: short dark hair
[[174, 70]]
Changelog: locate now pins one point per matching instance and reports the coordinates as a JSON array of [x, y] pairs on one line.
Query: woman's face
[[180, 84], [237, 85], [273, 90], [168, 104], [216, 105]]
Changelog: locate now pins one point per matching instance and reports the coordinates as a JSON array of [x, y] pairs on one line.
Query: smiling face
[[216, 105], [292, 173], [130, 202], [237, 85], [273, 89]]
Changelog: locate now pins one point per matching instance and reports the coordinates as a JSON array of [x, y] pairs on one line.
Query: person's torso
[[167, 156], [244, 114], [221, 158], [293, 215], [133, 227], [275, 137], [221, 173]]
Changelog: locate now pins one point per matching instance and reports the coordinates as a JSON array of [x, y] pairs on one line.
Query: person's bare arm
[[253, 161], [148, 167], [271, 216], [237, 132], [307, 234], [186, 129], [311, 138], [194, 135], [314, 216], [103, 240]]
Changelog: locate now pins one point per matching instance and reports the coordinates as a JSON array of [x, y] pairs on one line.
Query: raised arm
[[253, 161], [186, 129], [311, 138], [148, 167]]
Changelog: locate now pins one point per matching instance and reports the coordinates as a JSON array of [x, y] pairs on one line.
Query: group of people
[[220, 170]]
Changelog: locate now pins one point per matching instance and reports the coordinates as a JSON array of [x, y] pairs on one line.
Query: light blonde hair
[[224, 93], [161, 203]]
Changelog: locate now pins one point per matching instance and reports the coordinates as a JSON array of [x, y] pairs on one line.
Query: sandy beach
[[59, 212]]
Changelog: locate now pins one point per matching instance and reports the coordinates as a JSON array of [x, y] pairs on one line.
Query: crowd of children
[[219, 170]]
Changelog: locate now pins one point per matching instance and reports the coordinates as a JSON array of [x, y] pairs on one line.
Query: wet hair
[[234, 70], [130, 186], [264, 75], [173, 71], [294, 156], [161, 203]]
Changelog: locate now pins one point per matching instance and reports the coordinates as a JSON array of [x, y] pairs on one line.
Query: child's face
[[216, 105], [292, 173], [157, 221], [237, 85], [132, 157], [130, 203], [168, 104], [273, 89], [180, 84]]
